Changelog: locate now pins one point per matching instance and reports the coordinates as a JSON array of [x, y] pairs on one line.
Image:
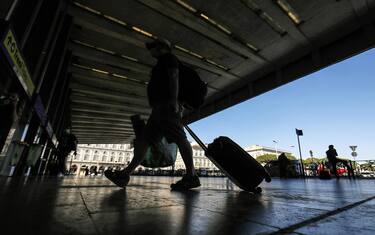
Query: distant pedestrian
[[314, 168], [8, 110], [333, 160], [87, 171], [67, 144], [323, 171]]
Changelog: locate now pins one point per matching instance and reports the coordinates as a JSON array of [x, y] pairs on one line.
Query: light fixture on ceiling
[[285, 6], [264, 16], [142, 32], [187, 6]]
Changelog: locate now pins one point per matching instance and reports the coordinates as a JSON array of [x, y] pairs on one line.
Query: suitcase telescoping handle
[[196, 138]]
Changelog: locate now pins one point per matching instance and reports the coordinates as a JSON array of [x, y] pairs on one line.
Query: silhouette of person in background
[[8, 110], [283, 165], [314, 168], [333, 160], [165, 119], [68, 143]]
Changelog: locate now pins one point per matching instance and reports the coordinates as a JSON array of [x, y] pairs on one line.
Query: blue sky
[[332, 106]]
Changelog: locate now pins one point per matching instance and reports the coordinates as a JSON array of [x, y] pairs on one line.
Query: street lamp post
[[300, 133], [292, 150], [311, 155], [275, 147]]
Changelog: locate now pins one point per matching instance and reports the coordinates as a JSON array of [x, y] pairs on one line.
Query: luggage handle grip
[[196, 138]]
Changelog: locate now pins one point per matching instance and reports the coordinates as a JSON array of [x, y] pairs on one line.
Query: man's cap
[[157, 42]]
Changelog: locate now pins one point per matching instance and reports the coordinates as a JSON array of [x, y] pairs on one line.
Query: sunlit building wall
[[118, 156], [257, 150], [102, 156]]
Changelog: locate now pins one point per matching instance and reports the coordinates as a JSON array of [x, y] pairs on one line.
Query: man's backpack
[[192, 90]]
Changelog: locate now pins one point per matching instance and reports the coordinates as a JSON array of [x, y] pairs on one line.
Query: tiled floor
[[147, 206]]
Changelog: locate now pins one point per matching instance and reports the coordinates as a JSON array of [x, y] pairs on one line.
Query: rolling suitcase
[[241, 168]]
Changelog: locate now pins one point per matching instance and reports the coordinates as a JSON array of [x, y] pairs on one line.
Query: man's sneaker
[[187, 182], [117, 177]]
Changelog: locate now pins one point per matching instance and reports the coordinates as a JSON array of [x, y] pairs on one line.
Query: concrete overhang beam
[[78, 97], [95, 103], [107, 94], [113, 69], [94, 23], [104, 58], [97, 110]]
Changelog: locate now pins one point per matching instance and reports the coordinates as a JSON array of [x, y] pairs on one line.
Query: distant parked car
[[293, 170], [341, 170], [367, 174]]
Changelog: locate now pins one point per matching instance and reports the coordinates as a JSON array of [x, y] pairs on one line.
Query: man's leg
[[334, 168], [61, 160], [121, 178], [140, 149], [190, 180], [172, 129], [62, 163], [187, 156]]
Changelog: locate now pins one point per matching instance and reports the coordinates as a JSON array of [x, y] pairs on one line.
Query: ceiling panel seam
[[183, 56], [200, 15], [146, 34]]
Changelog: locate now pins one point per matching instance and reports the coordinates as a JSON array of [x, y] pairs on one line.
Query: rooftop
[[259, 147]]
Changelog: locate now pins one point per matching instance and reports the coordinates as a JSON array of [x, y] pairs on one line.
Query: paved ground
[[147, 206]]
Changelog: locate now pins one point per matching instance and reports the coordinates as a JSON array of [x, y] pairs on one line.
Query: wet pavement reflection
[[93, 205]]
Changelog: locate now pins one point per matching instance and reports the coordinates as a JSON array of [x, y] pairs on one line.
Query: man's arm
[[173, 74]]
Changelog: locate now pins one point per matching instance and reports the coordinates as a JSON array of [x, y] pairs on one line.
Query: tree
[[310, 160], [290, 156], [266, 158]]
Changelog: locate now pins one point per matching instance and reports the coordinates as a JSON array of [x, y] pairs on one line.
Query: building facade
[[101, 156], [257, 150], [199, 159], [118, 156]]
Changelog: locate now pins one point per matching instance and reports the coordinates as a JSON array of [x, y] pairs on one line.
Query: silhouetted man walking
[[165, 119], [8, 110], [333, 160], [68, 144]]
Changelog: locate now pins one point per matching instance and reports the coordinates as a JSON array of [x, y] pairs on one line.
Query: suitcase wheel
[[268, 178], [258, 190]]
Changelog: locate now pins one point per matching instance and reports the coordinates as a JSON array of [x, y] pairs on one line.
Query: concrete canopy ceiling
[[241, 48]]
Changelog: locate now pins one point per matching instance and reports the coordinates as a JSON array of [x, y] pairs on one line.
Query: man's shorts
[[164, 122]]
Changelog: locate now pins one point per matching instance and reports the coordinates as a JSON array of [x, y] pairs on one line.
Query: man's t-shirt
[[158, 90], [331, 154]]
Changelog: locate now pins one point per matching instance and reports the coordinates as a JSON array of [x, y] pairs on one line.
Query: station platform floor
[[92, 205]]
